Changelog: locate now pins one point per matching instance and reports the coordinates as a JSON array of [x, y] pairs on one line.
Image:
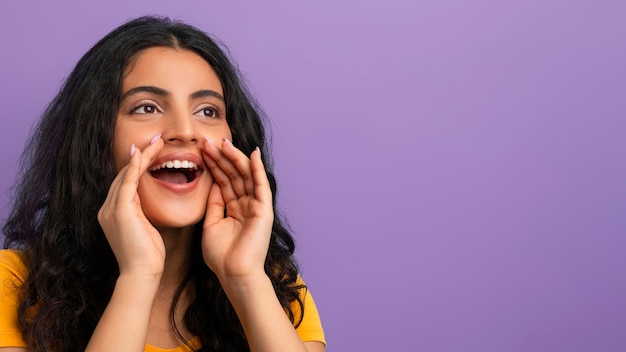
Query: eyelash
[[135, 109], [217, 111]]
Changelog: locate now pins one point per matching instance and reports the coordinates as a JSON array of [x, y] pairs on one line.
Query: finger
[[139, 164], [111, 202], [262, 190], [150, 153], [128, 187], [115, 186], [227, 160], [211, 153], [215, 205], [242, 163]]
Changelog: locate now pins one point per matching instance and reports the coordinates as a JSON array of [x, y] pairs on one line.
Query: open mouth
[[176, 171]]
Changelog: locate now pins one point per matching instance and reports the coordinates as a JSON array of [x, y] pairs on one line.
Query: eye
[[146, 109], [209, 111]]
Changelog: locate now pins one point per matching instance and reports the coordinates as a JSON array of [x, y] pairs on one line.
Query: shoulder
[[310, 327], [13, 273], [12, 266]]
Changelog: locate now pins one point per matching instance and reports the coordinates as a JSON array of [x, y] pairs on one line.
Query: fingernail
[[132, 150], [227, 140], [154, 139], [209, 140]]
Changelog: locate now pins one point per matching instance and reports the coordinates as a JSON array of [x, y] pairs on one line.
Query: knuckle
[[224, 182]]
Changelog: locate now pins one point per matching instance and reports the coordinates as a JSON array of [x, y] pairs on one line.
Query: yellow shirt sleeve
[[310, 329], [12, 275]]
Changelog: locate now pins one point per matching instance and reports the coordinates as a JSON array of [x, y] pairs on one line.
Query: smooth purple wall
[[454, 171]]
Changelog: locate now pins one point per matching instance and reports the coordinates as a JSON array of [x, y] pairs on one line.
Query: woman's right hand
[[137, 245]]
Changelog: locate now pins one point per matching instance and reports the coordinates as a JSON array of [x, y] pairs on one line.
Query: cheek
[[127, 134], [121, 148], [121, 154], [216, 133], [226, 130], [227, 133]]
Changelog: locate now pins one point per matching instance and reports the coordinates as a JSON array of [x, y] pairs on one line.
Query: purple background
[[454, 171]]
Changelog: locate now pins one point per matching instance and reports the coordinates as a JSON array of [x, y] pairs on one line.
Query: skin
[[149, 226]]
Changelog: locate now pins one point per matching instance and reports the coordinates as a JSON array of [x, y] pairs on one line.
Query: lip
[[182, 187]]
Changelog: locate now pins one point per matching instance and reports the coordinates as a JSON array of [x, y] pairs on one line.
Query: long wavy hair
[[66, 171]]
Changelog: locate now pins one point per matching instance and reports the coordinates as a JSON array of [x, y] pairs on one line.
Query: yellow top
[[13, 273]]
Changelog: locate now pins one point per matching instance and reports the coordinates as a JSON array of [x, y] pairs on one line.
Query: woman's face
[[175, 93]]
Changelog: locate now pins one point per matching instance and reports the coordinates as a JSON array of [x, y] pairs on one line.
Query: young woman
[[145, 216]]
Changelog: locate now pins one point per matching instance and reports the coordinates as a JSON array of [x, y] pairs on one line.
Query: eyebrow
[[164, 93], [147, 89], [207, 93]]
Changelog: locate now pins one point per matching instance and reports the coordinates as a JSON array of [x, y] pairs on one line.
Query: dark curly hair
[[65, 174]]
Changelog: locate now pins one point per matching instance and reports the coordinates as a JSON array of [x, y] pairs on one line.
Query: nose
[[179, 128]]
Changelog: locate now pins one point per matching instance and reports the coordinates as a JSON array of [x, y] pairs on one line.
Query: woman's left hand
[[239, 215]]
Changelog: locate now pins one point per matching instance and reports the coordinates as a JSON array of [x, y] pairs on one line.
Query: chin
[[167, 207], [173, 212], [173, 219]]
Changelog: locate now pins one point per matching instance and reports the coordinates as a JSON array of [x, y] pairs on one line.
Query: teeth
[[176, 164]]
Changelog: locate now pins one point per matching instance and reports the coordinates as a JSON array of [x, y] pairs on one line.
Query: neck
[[178, 247], [178, 243]]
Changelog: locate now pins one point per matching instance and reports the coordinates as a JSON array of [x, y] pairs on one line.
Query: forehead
[[171, 69]]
